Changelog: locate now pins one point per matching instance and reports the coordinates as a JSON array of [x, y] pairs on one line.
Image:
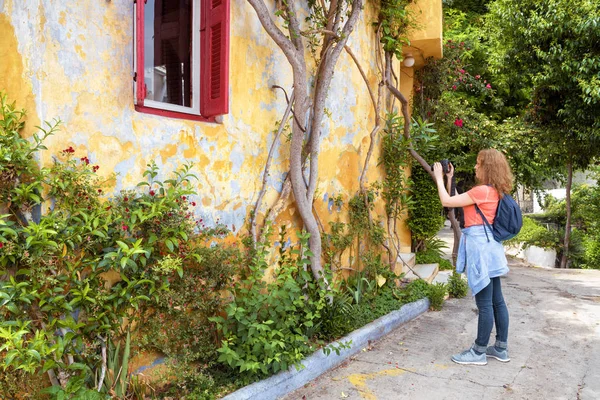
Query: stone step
[[442, 277], [427, 272], [408, 258]]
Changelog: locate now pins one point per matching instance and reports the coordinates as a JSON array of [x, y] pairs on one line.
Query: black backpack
[[508, 220]]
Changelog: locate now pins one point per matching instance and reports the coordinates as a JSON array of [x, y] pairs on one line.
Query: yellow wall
[[73, 61]]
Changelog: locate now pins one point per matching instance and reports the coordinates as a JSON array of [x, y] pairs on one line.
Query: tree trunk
[[308, 114], [565, 256]]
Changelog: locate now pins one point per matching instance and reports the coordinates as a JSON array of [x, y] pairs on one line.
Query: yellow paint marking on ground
[[360, 381]]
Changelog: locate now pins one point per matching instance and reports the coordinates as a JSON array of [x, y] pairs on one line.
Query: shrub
[[436, 294], [534, 234], [425, 211], [58, 310], [433, 257], [269, 326], [592, 252], [188, 303], [457, 286]]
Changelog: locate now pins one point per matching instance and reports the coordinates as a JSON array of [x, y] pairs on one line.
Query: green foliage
[[412, 292], [188, 304], [534, 234], [269, 325], [436, 294], [591, 259], [430, 256], [425, 217], [395, 157], [56, 303], [395, 19], [15, 383], [20, 177], [361, 230], [457, 286]]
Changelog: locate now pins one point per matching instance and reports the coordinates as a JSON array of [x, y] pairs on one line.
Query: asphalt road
[[554, 344]]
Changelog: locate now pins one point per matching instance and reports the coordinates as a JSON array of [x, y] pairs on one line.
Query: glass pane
[[168, 51]]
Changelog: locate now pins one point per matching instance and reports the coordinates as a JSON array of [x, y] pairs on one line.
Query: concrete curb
[[318, 363]]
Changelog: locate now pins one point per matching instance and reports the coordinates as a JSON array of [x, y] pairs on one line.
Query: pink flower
[[462, 71], [124, 227], [488, 86], [1, 245], [477, 76], [453, 87], [458, 122]]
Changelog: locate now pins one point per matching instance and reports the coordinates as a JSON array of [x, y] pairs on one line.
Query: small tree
[[551, 47]]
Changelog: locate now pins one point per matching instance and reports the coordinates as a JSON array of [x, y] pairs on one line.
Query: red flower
[[95, 168], [458, 122], [124, 227], [1, 245], [125, 198], [193, 204], [183, 197], [99, 190], [152, 193], [453, 87], [85, 160]]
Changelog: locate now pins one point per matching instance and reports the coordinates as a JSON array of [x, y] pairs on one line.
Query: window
[[181, 57]]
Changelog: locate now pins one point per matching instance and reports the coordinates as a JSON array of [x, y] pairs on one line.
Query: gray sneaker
[[498, 355], [469, 357]]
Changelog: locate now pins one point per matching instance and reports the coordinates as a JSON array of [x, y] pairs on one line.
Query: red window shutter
[[214, 77], [139, 38]]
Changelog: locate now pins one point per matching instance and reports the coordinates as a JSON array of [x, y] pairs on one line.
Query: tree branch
[[268, 167], [286, 45], [325, 74]]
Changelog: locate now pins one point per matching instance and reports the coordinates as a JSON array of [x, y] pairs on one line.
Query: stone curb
[[318, 363]]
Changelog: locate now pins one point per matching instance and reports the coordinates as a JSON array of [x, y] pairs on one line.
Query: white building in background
[[558, 192]]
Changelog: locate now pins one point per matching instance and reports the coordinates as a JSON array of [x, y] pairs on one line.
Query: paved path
[[554, 343]]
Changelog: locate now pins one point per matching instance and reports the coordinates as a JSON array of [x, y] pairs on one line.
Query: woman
[[482, 257]]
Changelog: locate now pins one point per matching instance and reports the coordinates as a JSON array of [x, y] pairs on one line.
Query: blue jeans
[[492, 309]]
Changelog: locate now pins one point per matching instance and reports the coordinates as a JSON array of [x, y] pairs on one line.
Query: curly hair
[[494, 170]]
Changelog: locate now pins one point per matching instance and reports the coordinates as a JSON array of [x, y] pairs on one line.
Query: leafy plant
[[269, 325], [55, 297], [457, 286], [436, 294]]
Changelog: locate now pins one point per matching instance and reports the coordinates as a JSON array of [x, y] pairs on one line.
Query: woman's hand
[[450, 173], [438, 172]]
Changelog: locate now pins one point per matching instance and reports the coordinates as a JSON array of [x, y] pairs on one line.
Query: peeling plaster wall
[[73, 61]]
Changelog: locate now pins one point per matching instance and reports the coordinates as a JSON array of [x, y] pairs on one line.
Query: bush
[[436, 294], [534, 234], [269, 326], [187, 304], [58, 310], [457, 286], [425, 217], [433, 257], [592, 252]]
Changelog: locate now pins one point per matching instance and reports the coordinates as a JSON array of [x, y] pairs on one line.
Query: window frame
[[201, 54]]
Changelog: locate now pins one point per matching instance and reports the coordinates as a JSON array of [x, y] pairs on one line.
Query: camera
[[445, 166]]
